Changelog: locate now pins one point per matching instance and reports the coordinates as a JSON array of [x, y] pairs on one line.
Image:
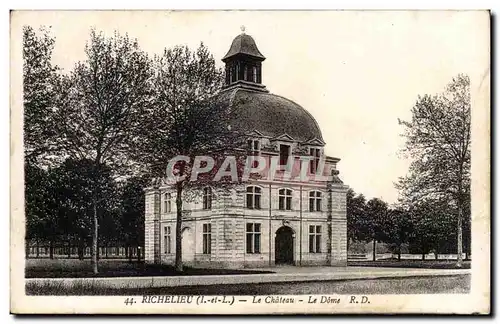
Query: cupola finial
[[242, 29]]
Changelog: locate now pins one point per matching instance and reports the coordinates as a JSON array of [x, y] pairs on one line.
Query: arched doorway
[[283, 246], [187, 245]]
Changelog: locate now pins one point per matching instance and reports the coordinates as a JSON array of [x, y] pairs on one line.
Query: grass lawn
[[70, 268], [394, 263], [411, 285]]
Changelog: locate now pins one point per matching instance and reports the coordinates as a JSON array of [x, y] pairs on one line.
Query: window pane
[[318, 229], [281, 203], [249, 243], [257, 190], [288, 203], [249, 189], [311, 243], [256, 145], [209, 228], [318, 194], [311, 204], [282, 191], [257, 227], [311, 229], [249, 227], [257, 201], [257, 243], [249, 201], [318, 205], [318, 243], [311, 194]]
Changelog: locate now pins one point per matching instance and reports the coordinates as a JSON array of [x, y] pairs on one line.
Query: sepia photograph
[[250, 162]]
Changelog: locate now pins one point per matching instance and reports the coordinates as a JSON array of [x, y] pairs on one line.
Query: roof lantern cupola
[[244, 64]]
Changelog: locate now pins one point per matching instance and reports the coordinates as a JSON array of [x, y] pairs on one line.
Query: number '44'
[[129, 301]]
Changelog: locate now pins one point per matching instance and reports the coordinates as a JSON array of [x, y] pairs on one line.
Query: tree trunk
[[81, 248], [178, 229], [459, 238], [374, 250], [129, 252], [459, 220], [51, 249], [94, 240]]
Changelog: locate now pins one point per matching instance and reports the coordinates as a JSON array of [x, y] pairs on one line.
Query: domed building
[[264, 222]]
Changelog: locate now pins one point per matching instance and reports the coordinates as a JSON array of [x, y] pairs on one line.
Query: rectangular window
[[207, 198], [167, 203], [253, 197], [316, 154], [253, 238], [207, 238], [315, 201], [314, 239], [254, 146], [167, 239], [254, 74], [285, 199], [284, 153]]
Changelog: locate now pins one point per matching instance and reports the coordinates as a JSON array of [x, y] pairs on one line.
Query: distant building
[[262, 223]]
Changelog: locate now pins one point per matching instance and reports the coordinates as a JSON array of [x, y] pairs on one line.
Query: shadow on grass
[[408, 285], [83, 269]]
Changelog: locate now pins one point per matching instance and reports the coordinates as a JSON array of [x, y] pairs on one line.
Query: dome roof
[[244, 44], [271, 115]]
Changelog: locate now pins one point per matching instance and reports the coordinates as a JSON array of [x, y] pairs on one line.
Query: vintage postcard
[[250, 162]]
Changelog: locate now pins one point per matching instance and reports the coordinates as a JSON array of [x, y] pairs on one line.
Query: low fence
[[73, 252], [404, 256]]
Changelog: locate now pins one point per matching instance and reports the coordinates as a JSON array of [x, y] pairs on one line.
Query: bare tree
[[106, 97], [188, 117], [438, 141]]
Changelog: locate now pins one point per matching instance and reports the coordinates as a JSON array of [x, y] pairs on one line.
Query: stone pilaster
[[337, 224], [151, 224]]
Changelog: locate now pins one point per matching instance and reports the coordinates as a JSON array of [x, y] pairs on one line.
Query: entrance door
[[187, 245], [283, 246]]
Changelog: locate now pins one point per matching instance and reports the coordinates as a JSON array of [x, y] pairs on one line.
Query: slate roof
[[271, 115], [244, 44]]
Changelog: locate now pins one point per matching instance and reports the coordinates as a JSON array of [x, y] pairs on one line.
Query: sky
[[356, 72]]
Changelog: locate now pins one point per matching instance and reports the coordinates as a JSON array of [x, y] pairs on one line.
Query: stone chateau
[[266, 222]]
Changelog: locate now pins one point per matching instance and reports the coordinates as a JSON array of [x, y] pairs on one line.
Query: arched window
[[207, 198], [315, 201], [167, 203], [285, 199], [253, 197]]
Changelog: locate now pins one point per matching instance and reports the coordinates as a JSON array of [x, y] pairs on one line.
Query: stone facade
[[295, 220], [229, 217]]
